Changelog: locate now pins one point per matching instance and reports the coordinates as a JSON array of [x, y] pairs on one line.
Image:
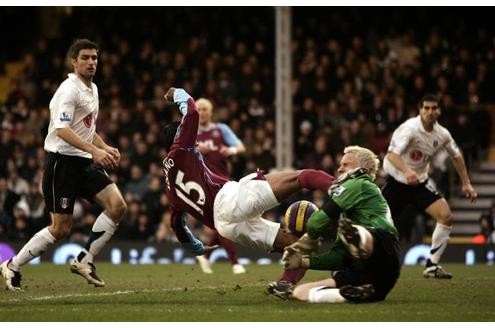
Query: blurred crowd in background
[[357, 74]]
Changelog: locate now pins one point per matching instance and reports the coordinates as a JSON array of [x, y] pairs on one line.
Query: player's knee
[[445, 218], [117, 209], [300, 293], [60, 232]]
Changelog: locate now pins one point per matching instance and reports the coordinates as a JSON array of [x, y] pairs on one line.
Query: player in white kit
[[413, 145], [75, 166]]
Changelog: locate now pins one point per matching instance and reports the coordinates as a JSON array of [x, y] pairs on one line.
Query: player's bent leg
[[440, 211], [302, 292], [358, 240], [103, 229], [112, 201], [287, 182]]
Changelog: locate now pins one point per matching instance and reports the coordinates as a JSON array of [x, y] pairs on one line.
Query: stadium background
[[357, 74]]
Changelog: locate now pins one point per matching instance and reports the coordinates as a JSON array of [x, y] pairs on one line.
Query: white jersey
[[73, 105], [416, 147]]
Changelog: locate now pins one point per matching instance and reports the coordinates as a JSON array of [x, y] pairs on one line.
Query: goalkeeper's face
[[348, 162]]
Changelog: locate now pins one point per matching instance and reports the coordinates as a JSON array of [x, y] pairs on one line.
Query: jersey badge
[[65, 117], [338, 191], [88, 120]]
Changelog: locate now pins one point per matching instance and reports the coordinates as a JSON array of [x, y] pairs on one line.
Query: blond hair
[[366, 158], [205, 102]]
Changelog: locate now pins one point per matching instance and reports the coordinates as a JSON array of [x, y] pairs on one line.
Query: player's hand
[[211, 248], [169, 95], [227, 151], [104, 158], [305, 245], [411, 177], [293, 259], [469, 192], [203, 149], [114, 152]]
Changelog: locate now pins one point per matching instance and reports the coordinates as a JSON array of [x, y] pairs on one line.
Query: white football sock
[[102, 231], [325, 295], [439, 241], [33, 248]]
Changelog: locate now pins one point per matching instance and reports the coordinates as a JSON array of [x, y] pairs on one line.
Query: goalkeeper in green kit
[[365, 257]]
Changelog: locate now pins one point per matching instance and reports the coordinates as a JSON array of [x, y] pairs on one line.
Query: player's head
[[83, 54], [296, 216], [356, 156], [205, 110], [168, 132], [429, 109]]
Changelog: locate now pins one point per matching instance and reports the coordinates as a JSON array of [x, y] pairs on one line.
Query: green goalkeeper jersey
[[361, 201]]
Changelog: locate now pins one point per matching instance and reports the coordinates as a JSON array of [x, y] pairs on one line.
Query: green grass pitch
[[183, 293]]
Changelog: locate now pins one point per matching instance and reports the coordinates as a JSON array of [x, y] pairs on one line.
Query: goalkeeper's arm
[[320, 223]]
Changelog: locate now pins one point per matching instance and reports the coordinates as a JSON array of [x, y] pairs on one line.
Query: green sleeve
[[317, 224], [331, 260]]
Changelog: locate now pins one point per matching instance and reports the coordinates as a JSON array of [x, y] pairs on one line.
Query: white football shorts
[[237, 212]]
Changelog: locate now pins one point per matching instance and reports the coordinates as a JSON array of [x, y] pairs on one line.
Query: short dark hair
[[168, 133], [80, 44], [428, 97]]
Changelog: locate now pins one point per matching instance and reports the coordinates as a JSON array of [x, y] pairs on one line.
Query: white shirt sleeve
[[64, 105], [400, 139]]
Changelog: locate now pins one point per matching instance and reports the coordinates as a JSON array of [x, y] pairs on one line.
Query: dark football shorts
[[400, 195], [68, 177], [381, 270]]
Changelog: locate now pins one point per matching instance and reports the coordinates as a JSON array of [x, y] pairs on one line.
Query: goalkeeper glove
[[293, 259], [305, 245]]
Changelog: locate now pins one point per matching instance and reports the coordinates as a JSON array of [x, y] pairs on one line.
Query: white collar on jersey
[[79, 82]]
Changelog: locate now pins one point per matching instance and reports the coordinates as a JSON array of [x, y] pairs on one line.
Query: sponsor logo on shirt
[[65, 117], [416, 155], [88, 120]]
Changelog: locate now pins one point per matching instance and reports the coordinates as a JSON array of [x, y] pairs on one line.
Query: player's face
[[348, 162], [429, 112], [204, 112], [85, 63]]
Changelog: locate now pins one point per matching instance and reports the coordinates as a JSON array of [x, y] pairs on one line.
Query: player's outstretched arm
[[188, 128], [185, 236]]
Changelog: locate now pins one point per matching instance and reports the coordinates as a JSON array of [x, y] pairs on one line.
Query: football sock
[[33, 248], [215, 240], [439, 242], [325, 295], [229, 247], [102, 231], [293, 276], [315, 179]]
